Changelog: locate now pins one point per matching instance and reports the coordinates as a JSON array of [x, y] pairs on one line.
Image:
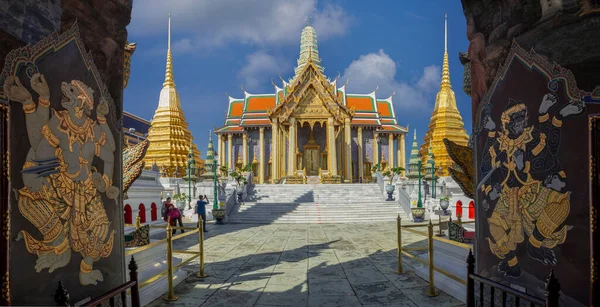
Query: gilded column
[[274, 151], [400, 151], [360, 153], [292, 153], [332, 149], [261, 162], [230, 152], [375, 148], [245, 148], [348, 149], [390, 151], [220, 149]]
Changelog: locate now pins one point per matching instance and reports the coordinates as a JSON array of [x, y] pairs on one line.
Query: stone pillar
[[360, 153], [274, 152], [348, 149], [245, 148], [400, 151], [261, 164], [332, 150], [230, 165], [375, 148], [390, 151]]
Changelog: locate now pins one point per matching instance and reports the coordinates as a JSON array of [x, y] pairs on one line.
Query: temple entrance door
[[312, 160], [312, 163]]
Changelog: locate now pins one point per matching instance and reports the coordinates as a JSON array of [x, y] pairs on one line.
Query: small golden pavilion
[[310, 129]]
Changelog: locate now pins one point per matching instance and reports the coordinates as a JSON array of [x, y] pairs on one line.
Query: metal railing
[[61, 296], [552, 290], [552, 284], [169, 242], [430, 250]]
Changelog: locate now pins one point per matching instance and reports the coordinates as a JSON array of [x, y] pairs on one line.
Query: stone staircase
[[316, 203]]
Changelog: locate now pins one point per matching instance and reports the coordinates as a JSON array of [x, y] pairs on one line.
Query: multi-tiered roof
[[253, 109]]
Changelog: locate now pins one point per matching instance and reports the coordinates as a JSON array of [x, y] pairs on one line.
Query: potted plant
[[180, 198], [444, 204], [418, 212], [240, 179], [219, 214]]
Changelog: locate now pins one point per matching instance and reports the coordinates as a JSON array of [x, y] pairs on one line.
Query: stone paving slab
[[303, 265]]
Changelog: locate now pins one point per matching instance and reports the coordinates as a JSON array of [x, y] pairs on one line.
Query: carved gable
[[311, 96]]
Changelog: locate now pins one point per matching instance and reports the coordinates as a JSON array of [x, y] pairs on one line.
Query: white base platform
[[150, 263]]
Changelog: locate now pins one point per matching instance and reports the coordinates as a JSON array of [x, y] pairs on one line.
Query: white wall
[[145, 190]]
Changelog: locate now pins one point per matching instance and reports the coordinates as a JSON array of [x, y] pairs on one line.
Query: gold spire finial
[[445, 66], [169, 71]]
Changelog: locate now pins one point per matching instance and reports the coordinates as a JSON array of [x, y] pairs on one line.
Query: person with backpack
[[201, 210], [172, 212]]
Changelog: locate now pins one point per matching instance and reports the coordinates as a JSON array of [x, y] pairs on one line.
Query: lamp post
[[432, 177], [419, 202], [215, 205], [191, 163]]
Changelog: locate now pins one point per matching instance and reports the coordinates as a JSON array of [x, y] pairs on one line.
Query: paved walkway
[[303, 265]]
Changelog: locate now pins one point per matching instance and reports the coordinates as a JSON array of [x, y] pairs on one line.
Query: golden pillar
[[401, 151], [375, 148], [331, 150], [292, 146], [245, 148], [360, 153], [220, 149], [348, 151], [274, 153], [390, 151], [230, 152], [281, 152], [261, 163]]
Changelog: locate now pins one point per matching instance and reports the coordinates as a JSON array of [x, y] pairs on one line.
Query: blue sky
[[220, 46]]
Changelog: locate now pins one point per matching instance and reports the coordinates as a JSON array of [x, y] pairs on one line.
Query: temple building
[[446, 122], [169, 136], [310, 129]]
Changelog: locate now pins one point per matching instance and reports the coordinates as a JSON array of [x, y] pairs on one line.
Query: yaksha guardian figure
[[521, 164], [61, 196]]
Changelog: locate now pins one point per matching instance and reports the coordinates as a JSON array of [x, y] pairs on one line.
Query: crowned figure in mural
[[62, 190], [522, 167]]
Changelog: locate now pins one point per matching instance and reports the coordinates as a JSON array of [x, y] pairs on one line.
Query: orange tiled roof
[[260, 103], [360, 103], [383, 107]]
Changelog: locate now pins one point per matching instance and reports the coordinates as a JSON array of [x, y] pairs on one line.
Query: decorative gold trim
[[512, 262], [44, 102], [6, 228], [592, 219], [593, 271], [6, 287], [29, 107]]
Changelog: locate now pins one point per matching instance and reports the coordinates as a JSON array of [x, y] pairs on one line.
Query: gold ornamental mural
[[65, 205]]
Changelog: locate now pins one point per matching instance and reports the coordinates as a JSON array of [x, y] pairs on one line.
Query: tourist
[[173, 213], [201, 210]]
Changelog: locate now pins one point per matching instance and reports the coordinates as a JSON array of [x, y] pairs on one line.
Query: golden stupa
[[169, 136], [446, 122]]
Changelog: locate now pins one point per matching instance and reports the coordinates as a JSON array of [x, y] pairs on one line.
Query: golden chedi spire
[[169, 136], [446, 122]]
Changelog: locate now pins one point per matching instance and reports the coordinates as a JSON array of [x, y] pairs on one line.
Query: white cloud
[[377, 69], [215, 23], [258, 67]]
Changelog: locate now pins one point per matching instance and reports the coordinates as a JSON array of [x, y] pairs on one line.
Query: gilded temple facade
[[169, 136], [446, 123], [310, 129]]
